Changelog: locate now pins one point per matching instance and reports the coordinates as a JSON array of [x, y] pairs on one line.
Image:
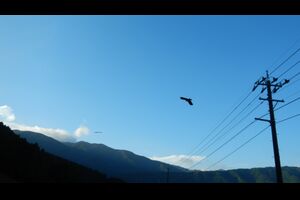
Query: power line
[[269, 91], [276, 103], [228, 123], [245, 129], [242, 130], [284, 105], [291, 67], [197, 146], [268, 84], [285, 61], [293, 94], [291, 83], [220, 131], [263, 115], [294, 76], [211, 132], [289, 118], [281, 106], [228, 131], [249, 140], [285, 52]]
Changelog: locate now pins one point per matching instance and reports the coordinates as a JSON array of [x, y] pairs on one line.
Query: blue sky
[[123, 75]]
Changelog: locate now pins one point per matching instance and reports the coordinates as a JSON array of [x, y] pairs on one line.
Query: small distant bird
[[98, 132], [187, 99]]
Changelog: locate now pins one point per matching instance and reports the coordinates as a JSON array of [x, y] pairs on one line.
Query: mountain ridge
[[22, 161], [99, 156], [107, 159]]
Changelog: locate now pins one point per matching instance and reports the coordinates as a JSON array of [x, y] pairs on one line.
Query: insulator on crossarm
[[263, 90], [274, 79]]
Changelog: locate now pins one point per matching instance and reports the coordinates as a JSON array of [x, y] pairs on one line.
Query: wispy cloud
[[81, 130], [56, 133], [180, 160], [8, 117], [6, 114]]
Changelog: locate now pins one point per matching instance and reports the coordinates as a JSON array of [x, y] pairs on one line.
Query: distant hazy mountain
[[134, 168], [25, 162], [254, 175], [116, 163]]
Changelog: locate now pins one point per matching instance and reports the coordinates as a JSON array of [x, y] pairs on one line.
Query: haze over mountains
[[33, 157], [120, 163], [135, 168]]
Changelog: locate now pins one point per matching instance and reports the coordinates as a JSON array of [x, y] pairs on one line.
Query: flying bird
[[98, 132], [187, 100]]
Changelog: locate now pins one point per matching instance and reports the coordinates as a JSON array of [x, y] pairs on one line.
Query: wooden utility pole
[[268, 84]]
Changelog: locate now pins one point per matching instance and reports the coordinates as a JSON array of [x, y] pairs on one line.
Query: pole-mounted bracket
[[265, 120]]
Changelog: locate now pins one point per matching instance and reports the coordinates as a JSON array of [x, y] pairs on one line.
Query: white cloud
[[81, 130], [6, 113], [58, 134], [180, 160]]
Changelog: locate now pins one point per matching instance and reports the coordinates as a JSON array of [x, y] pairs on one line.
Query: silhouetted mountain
[[117, 163], [134, 168], [25, 162], [122, 161], [254, 175]]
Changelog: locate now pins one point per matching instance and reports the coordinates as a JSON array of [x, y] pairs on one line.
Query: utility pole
[[268, 84]]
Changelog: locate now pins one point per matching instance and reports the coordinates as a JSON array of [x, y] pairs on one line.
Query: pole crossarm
[[267, 84], [266, 99]]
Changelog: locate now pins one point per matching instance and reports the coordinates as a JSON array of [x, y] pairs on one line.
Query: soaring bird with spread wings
[[187, 100]]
